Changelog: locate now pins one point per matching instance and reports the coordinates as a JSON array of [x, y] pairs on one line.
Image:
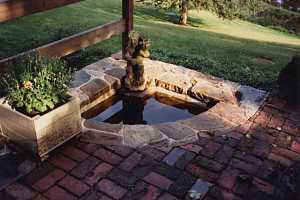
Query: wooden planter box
[[41, 134]]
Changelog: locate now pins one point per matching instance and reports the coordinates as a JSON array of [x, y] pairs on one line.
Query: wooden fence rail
[[11, 9]]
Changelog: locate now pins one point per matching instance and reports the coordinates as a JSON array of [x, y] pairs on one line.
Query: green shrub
[[40, 85]]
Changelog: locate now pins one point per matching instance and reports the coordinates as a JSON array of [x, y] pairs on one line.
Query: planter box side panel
[[18, 128], [58, 126], [73, 106]]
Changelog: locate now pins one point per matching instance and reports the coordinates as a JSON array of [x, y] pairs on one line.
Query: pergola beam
[[73, 43], [11, 9]]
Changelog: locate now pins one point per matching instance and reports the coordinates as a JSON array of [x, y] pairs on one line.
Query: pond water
[[152, 109]]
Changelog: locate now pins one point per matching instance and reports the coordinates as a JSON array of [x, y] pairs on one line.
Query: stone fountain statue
[[137, 51]]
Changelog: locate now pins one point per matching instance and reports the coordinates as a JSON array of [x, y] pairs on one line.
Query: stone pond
[[233, 104]]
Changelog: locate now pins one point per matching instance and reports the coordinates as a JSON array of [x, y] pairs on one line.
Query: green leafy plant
[[39, 87]]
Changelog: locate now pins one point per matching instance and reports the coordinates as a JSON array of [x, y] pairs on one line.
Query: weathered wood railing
[[11, 9]]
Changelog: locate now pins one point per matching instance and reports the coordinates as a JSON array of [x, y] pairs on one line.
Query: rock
[[95, 88], [80, 78], [289, 81], [141, 135], [176, 131], [222, 92], [101, 133], [117, 73]]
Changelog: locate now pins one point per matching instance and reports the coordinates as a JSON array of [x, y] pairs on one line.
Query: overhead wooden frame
[[11, 9]]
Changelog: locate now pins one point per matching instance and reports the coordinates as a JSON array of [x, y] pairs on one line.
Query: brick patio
[[238, 166]]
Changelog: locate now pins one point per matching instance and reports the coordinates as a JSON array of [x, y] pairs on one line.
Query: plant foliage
[[39, 87]]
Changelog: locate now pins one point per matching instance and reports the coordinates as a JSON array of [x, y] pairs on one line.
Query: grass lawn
[[235, 50]]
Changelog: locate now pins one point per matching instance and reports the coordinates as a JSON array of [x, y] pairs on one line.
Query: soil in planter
[[152, 109]]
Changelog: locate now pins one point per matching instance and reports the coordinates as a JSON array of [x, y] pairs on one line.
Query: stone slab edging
[[101, 80]]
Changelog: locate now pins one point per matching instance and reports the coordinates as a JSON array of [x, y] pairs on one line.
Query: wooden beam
[[73, 43], [127, 12], [11, 9]]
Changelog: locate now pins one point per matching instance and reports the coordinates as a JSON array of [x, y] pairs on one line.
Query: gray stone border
[[101, 80]]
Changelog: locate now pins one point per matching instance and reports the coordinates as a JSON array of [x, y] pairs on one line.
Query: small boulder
[[289, 81]]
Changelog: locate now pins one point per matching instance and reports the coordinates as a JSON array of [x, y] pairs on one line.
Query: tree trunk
[[184, 12]]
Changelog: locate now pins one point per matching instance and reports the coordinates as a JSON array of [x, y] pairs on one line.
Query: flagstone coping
[[101, 80]]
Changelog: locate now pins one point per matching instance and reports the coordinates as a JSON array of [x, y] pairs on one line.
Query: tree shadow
[[172, 16]]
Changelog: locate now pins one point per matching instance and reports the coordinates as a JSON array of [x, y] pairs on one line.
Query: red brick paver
[[111, 189], [227, 167], [62, 162], [57, 193], [74, 185], [19, 191], [49, 180], [158, 180], [99, 172]]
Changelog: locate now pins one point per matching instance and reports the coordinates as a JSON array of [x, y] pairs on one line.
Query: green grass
[[235, 50]]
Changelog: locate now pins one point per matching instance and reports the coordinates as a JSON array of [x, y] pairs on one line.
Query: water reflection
[[148, 110]]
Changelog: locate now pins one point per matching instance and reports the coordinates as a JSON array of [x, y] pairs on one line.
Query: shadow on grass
[[164, 16]]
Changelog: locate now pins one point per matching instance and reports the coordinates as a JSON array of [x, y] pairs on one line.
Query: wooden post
[[127, 9]]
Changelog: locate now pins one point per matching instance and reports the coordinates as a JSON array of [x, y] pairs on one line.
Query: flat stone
[[230, 112], [120, 64], [163, 145], [84, 98], [118, 73], [102, 133], [198, 77], [220, 91], [176, 131], [173, 156], [252, 99], [80, 78], [154, 69], [188, 140], [95, 74], [95, 88], [205, 122], [113, 82], [99, 137], [106, 127], [174, 82], [168, 76], [140, 135], [117, 56], [199, 189]]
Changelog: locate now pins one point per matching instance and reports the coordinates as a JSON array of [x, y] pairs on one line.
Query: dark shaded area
[[278, 19], [288, 184], [9, 165], [289, 81], [161, 15]]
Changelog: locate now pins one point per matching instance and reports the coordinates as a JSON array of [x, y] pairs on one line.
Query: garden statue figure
[[137, 51]]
